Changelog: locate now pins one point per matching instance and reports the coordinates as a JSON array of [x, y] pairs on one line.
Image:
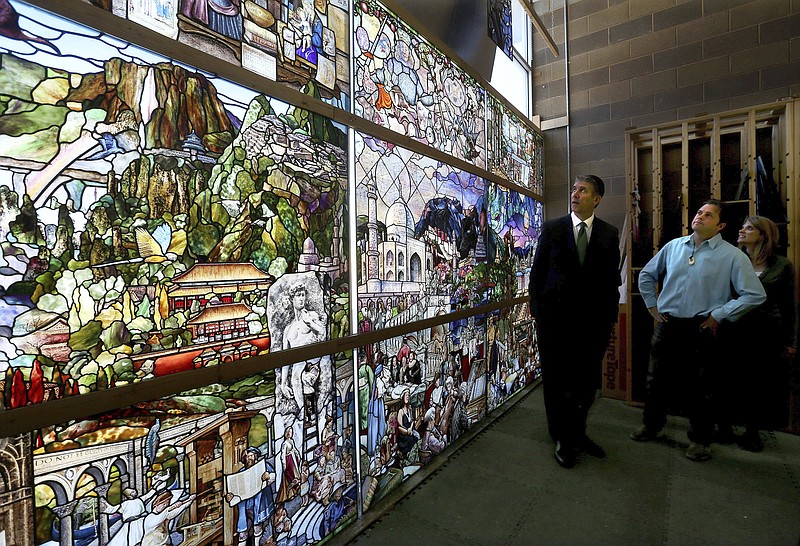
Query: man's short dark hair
[[720, 207], [596, 181]]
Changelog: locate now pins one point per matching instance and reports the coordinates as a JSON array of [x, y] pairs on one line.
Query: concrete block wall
[[636, 63]]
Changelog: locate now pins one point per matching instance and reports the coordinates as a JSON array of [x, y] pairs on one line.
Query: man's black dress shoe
[[593, 449], [565, 457]]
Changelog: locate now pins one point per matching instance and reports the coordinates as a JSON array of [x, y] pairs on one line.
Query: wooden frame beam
[[527, 5]]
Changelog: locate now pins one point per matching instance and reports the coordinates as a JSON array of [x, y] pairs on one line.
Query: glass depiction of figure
[[253, 514], [309, 31], [133, 511], [292, 469], [306, 327], [376, 411], [407, 436], [156, 524]]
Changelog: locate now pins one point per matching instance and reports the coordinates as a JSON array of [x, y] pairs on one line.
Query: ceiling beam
[[527, 5]]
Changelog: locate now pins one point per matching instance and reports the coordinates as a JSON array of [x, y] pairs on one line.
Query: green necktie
[[583, 242]]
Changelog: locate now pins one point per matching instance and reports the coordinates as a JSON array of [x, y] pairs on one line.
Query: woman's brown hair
[[769, 237]]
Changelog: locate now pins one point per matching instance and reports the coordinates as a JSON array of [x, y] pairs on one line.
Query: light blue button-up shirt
[[721, 283]]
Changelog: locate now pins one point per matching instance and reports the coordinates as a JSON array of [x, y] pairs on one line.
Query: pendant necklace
[[691, 258]]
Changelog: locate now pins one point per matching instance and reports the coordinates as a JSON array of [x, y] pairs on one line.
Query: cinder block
[[637, 27], [558, 69], [578, 100], [579, 135], [657, 41], [636, 106], [655, 118], [725, 88], [542, 74], [638, 8], [578, 28], [795, 49], [578, 63], [609, 55], [678, 56], [549, 90], [700, 29], [612, 92], [552, 107], [589, 116], [589, 152], [595, 40], [597, 151], [556, 32], [631, 69], [677, 98], [703, 71], [609, 168], [608, 17], [760, 57], [540, 56], [704, 109], [762, 97], [717, 6], [736, 40], [608, 131], [779, 29], [586, 80], [652, 83], [586, 7], [676, 15], [619, 185], [759, 12], [784, 75]]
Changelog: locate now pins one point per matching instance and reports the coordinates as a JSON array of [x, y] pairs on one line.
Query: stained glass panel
[[512, 353], [404, 83], [225, 462], [152, 215], [515, 222], [418, 393], [302, 44], [515, 150], [499, 16], [421, 245]]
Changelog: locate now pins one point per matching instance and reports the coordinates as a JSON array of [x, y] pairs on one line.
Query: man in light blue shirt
[[704, 280]]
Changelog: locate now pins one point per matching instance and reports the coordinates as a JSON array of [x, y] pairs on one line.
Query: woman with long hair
[[769, 334]]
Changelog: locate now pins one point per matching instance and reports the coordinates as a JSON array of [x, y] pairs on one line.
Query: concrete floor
[[504, 487]]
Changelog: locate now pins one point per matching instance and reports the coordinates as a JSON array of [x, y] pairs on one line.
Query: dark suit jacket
[[561, 288]]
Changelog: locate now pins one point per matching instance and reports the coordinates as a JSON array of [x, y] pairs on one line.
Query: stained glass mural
[[422, 248], [304, 44], [512, 354], [146, 210], [515, 222], [155, 218], [404, 83], [418, 393], [217, 464], [515, 150]]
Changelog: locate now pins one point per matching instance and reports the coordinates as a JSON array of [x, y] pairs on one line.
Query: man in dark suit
[[574, 299]]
